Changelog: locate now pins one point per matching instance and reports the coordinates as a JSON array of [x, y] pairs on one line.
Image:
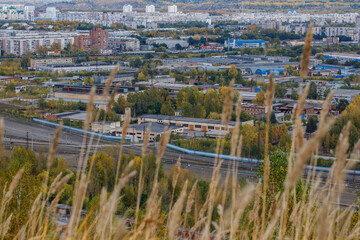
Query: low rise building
[[105, 127], [192, 124], [77, 67], [35, 63], [253, 109], [344, 94], [83, 92], [137, 131]]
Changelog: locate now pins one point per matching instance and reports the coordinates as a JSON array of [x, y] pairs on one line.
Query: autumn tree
[[102, 173], [260, 98], [233, 71]]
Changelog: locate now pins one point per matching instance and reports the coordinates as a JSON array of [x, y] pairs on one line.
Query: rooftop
[[155, 127], [185, 119]]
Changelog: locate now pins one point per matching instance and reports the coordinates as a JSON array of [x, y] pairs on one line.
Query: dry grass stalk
[[8, 195], [236, 130], [191, 198], [146, 140], [269, 99], [305, 58], [53, 147], [109, 81], [244, 198], [305, 152], [212, 194], [112, 98], [2, 149], [228, 104], [175, 213], [141, 183]]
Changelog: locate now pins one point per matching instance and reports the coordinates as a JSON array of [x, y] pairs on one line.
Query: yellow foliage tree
[[260, 98]]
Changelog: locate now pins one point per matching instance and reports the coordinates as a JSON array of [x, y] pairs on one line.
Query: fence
[[249, 160], [80, 131]]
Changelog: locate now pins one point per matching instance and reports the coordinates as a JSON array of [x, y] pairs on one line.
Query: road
[[36, 136]]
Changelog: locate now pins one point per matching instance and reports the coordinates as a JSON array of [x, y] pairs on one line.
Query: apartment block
[[98, 39]]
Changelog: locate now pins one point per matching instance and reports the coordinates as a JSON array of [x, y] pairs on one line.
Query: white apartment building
[[127, 8], [51, 13], [172, 9], [150, 8], [351, 32], [357, 22], [17, 12], [29, 13], [21, 44], [120, 44]]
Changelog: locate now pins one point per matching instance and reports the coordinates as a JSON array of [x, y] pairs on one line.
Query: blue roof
[[268, 70]]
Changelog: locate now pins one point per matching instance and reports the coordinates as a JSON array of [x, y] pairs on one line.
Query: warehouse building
[[137, 131], [192, 124]]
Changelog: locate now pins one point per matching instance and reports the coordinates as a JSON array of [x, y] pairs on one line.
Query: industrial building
[[192, 124], [235, 43], [344, 94], [35, 63], [156, 130], [77, 67], [83, 92]]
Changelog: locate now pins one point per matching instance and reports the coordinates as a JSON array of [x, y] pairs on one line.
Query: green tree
[[294, 95], [102, 173], [311, 125], [280, 91], [312, 91], [278, 170]]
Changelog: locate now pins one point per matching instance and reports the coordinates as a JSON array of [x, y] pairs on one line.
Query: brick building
[[253, 109], [97, 40]]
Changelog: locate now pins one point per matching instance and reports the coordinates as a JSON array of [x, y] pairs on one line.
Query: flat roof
[[155, 127], [185, 119]]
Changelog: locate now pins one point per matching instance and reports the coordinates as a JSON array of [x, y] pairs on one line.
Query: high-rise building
[[51, 13], [172, 9], [150, 8], [29, 12], [97, 40], [127, 8], [357, 22]]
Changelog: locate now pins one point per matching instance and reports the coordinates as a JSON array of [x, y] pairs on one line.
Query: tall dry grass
[[312, 213]]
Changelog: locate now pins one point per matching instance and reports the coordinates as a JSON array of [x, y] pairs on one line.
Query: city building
[[17, 12], [29, 13], [35, 63], [105, 127], [357, 22], [127, 8], [253, 109], [22, 42], [172, 9], [97, 40], [192, 124], [156, 130], [170, 43], [83, 92], [342, 56], [121, 44], [234, 43], [344, 94], [51, 13], [150, 8], [76, 67]]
